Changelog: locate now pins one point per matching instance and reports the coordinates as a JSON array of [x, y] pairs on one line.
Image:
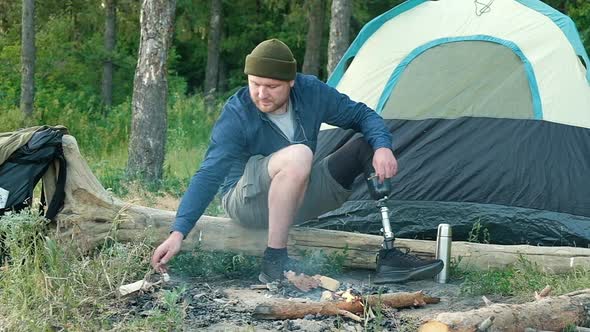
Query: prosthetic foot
[[393, 265]]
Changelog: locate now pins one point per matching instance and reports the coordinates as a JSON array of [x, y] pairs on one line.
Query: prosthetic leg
[[380, 193], [393, 265]]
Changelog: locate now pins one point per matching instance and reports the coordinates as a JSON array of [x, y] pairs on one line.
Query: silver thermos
[[443, 251]]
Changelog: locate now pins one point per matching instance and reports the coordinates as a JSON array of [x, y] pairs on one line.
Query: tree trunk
[[313, 45], [213, 49], [150, 91], [109, 46], [222, 77], [339, 32], [90, 214], [550, 314], [27, 85]]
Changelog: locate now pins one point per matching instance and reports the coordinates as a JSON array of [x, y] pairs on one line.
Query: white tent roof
[[545, 40]]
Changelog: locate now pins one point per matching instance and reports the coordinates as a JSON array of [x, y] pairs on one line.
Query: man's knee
[[350, 160], [294, 160]]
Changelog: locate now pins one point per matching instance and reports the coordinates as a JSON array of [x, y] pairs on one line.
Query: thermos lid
[[444, 230]]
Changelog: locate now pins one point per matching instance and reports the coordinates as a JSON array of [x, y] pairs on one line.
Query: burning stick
[[288, 309]]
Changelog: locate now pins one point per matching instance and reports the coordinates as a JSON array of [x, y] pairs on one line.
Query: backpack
[[32, 152]]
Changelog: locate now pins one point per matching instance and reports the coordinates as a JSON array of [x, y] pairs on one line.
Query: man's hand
[[384, 163], [164, 253]]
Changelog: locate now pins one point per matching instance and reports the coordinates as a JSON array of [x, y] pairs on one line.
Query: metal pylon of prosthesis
[[380, 192]]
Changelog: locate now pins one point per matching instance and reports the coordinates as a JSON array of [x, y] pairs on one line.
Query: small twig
[[46, 285], [350, 315], [578, 292], [104, 270], [231, 302], [258, 287], [544, 293], [487, 301]]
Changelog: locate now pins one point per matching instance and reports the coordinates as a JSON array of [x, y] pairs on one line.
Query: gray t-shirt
[[285, 122]]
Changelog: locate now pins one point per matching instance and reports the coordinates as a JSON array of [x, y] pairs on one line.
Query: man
[[262, 149]]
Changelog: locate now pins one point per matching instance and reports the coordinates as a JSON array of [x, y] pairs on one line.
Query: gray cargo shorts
[[247, 202]]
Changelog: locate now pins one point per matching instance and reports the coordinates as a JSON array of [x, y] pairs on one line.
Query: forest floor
[[216, 303], [228, 305]]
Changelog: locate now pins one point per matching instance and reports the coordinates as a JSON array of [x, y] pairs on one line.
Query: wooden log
[[289, 309], [551, 313], [91, 214]]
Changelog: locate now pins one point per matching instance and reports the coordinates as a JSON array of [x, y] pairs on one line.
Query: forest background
[[72, 47]]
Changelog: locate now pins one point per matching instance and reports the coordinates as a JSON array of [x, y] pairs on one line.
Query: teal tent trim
[[398, 71], [567, 26], [366, 32], [563, 21]]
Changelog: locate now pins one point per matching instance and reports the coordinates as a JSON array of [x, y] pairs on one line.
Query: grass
[[521, 280], [47, 284], [168, 315], [103, 138], [312, 262], [199, 263]]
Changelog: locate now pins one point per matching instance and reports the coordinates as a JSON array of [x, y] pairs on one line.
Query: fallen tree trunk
[[550, 314], [289, 309], [91, 214]]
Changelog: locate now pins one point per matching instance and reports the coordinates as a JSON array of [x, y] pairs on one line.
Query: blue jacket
[[243, 131]]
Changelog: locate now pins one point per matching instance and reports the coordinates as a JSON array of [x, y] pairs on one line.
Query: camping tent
[[489, 105]]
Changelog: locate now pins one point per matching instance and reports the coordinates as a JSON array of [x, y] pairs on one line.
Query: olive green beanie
[[271, 59]]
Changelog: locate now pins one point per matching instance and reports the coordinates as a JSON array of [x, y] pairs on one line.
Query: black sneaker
[[273, 266], [393, 265]]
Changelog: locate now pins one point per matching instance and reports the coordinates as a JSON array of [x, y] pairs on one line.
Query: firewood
[[289, 309], [301, 281], [549, 313], [350, 315], [329, 283]]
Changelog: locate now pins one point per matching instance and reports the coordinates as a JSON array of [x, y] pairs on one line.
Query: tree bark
[[289, 309], [213, 49], [150, 91], [339, 32], [313, 45], [110, 40], [552, 314], [222, 77], [27, 86]]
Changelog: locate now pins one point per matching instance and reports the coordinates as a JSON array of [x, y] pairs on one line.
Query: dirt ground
[[227, 305]]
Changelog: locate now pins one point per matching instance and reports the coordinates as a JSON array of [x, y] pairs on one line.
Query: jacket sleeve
[[343, 112], [226, 144]]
